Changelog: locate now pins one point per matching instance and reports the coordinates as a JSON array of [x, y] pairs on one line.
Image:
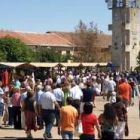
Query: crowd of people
[[33, 104]]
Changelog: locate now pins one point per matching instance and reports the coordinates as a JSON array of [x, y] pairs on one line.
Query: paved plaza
[[133, 122]]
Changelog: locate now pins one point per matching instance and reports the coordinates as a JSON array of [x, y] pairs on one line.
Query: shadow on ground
[[16, 138]]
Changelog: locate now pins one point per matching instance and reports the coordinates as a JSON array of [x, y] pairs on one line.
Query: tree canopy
[[14, 50], [50, 55], [87, 42]]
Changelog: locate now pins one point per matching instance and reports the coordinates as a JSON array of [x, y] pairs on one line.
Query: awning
[[89, 64], [102, 64], [71, 64], [45, 65], [11, 64]]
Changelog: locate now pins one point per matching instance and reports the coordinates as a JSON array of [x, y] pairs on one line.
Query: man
[[105, 86], [88, 95], [59, 95], [68, 119], [76, 93], [125, 90], [111, 87], [47, 105]]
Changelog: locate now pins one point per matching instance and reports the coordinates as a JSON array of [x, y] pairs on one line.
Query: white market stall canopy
[[43, 64], [11, 64], [51, 65], [71, 64]]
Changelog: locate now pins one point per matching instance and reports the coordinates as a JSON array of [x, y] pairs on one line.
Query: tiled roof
[[104, 39], [37, 38], [53, 38]]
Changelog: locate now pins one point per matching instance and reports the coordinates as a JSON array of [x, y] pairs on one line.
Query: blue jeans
[[1, 109], [67, 134], [48, 117]]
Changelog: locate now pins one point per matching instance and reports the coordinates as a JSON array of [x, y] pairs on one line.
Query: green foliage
[[138, 61], [50, 55], [2, 57], [137, 68], [14, 50], [138, 58]]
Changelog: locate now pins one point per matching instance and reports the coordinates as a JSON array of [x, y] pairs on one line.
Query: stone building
[[125, 32], [59, 41], [41, 40]]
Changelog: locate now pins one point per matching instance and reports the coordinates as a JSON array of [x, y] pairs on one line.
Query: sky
[[53, 15]]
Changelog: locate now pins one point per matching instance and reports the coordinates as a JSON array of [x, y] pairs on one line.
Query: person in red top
[[89, 120]]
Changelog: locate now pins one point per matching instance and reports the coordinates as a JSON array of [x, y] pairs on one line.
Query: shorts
[[1, 109]]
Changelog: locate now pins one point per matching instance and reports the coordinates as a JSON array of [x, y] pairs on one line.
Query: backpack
[[106, 127]]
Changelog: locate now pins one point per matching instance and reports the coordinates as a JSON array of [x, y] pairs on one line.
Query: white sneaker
[[45, 136]]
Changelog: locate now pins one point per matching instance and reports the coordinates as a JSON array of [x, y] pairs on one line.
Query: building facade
[[59, 41], [125, 32]]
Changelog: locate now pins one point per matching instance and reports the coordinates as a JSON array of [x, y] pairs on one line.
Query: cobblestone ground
[[133, 122]]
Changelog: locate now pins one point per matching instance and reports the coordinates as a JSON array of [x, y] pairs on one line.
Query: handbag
[[78, 130], [126, 130]]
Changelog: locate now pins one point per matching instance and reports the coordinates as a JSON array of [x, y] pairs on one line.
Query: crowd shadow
[[17, 138]]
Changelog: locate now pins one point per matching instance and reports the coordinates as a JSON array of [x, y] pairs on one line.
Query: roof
[[37, 39], [53, 38], [104, 39]]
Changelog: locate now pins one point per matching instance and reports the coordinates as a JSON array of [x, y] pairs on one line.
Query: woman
[[89, 121], [121, 113], [30, 113], [133, 85], [65, 88], [10, 109], [95, 87], [108, 121], [16, 108]]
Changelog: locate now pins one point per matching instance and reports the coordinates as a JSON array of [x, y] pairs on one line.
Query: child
[[113, 97]]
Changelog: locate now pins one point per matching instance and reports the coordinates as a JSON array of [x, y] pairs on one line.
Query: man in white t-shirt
[[76, 94], [47, 103]]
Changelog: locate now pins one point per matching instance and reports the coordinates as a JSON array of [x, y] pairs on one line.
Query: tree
[[2, 57], [86, 43], [50, 55], [14, 50]]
